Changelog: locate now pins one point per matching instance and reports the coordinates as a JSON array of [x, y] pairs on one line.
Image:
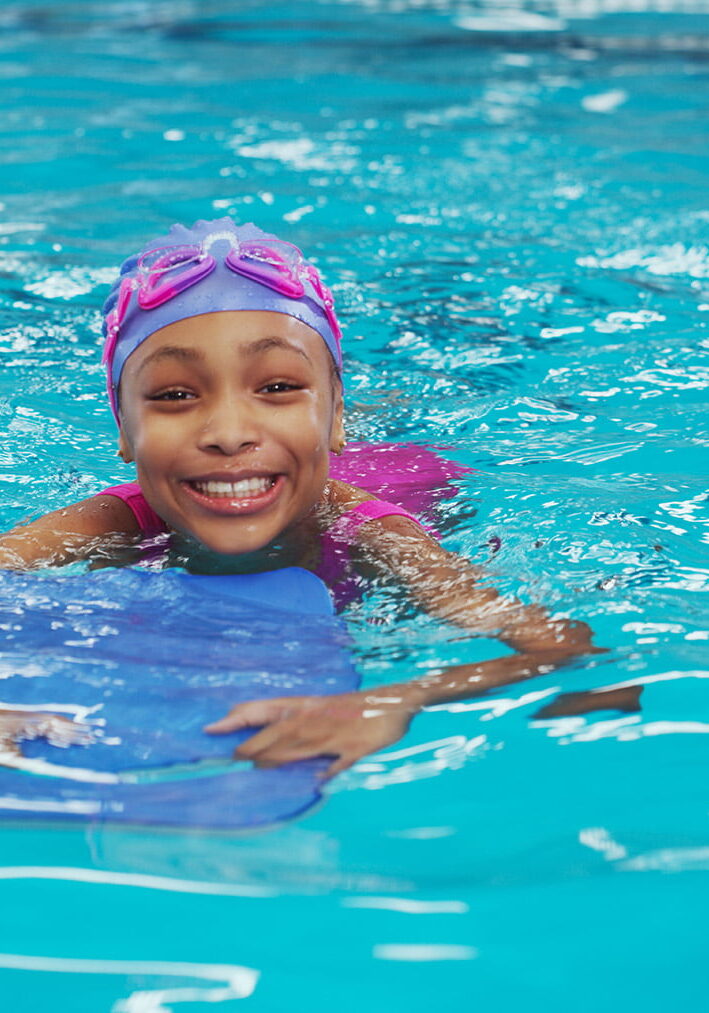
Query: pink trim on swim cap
[[220, 291]]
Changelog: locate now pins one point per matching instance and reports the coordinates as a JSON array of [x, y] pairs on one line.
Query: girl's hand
[[347, 726], [58, 731]]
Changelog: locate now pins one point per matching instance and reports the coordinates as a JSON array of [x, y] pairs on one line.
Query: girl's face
[[230, 418]]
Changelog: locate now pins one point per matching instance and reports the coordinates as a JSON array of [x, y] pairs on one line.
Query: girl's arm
[[449, 587], [349, 726], [66, 535]]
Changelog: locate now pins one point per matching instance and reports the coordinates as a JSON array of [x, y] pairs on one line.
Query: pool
[[510, 204]]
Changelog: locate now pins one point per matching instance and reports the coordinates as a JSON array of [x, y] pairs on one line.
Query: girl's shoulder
[[342, 496], [139, 516], [349, 510]]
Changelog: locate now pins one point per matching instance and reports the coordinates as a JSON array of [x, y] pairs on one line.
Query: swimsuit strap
[[149, 522], [351, 520]]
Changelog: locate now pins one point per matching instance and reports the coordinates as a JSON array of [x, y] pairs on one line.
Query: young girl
[[224, 375]]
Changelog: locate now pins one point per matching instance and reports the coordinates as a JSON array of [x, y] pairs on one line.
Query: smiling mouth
[[245, 488]]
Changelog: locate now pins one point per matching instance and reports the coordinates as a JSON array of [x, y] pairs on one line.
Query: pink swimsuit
[[334, 568]]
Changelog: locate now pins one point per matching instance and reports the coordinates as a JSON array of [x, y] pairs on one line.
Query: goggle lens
[[169, 258], [277, 265]]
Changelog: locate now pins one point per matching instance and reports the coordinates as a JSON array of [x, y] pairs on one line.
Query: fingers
[[277, 744], [285, 742], [282, 743], [56, 729], [282, 756], [62, 732], [248, 715], [343, 761]]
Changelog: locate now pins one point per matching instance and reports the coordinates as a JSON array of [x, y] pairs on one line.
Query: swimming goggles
[[167, 271]]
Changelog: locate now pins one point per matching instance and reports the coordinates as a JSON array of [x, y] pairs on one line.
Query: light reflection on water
[[510, 206]]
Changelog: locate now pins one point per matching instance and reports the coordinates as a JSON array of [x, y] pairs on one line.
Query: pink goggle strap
[[328, 301]]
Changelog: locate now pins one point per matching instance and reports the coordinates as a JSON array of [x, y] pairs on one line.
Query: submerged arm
[[449, 587], [60, 537]]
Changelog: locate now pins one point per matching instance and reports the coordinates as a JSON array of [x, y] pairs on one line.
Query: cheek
[[155, 442], [313, 435]]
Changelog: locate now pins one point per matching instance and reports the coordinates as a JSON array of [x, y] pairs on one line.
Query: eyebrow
[[193, 355], [266, 344], [171, 352]]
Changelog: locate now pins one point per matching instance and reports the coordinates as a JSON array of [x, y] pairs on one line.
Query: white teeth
[[235, 490]]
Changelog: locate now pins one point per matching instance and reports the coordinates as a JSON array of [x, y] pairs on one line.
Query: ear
[[337, 430], [124, 449]]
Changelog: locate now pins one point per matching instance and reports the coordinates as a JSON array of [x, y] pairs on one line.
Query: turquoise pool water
[[510, 203]]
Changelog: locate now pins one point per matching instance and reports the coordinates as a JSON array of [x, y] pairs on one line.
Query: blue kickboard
[[155, 656]]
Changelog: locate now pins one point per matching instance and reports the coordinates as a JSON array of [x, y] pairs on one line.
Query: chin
[[226, 546]]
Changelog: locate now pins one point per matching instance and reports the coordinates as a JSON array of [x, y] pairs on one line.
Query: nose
[[230, 426]]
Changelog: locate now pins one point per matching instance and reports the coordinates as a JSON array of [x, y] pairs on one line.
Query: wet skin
[[230, 418]]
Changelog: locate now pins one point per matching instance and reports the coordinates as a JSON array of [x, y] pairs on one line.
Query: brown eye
[[280, 387], [178, 394]]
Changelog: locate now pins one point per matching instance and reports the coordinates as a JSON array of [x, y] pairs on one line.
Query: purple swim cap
[[210, 268]]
